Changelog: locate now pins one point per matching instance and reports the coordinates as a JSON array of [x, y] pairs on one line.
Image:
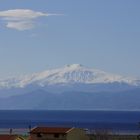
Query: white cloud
[[22, 19], [20, 25]]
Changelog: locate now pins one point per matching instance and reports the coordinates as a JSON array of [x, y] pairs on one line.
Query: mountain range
[[72, 87]]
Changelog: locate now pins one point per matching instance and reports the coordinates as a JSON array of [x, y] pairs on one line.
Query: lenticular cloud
[[22, 19]]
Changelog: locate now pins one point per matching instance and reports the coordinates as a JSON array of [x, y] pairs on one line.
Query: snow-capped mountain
[[69, 74], [71, 87]]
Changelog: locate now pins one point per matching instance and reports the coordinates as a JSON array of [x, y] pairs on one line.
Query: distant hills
[[71, 87]]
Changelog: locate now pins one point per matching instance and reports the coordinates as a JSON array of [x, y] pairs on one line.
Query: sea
[[113, 121]]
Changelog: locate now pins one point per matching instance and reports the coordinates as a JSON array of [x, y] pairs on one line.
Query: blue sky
[[103, 34]]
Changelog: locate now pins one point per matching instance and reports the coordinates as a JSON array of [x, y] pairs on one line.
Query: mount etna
[[73, 87]]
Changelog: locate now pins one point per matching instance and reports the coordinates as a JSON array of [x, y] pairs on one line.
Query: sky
[[37, 35]]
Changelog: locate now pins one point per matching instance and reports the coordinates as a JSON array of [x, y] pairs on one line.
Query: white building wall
[[77, 134]]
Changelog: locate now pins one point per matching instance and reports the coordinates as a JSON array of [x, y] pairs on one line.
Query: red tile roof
[[50, 130], [8, 137]]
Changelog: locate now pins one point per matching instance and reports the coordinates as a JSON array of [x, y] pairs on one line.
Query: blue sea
[[117, 121]]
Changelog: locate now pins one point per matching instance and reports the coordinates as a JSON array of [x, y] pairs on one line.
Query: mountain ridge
[[72, 87], [69, 74]]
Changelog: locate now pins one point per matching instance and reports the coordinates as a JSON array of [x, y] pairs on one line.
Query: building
[[10, 137], [57, 133]]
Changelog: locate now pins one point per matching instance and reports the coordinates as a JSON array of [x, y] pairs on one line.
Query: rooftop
[[50, 130], [8, 137]]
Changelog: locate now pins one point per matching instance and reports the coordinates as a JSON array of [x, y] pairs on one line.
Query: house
[[10, 137], [57, 133]]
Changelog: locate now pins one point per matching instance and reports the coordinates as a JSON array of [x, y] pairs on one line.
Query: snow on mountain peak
[[74, 66], [69, 74]]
